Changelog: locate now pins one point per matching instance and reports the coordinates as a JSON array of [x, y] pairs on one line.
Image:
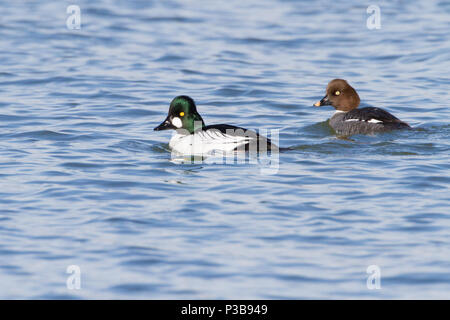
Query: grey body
[[365, 121]]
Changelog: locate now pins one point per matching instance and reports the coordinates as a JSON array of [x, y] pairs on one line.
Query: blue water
[[85, 181]]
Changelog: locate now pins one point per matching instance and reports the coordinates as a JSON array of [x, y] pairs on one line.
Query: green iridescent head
[[182, 115]]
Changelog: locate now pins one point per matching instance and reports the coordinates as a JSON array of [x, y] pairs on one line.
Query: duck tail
[[285, 149]]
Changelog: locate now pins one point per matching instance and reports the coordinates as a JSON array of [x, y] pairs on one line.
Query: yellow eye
[[337, 93], [181, 113]]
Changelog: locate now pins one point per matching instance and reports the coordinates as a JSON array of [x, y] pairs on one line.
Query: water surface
[[84, 179]]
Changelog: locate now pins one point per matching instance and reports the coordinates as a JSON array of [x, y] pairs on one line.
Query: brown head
[[340, 95]]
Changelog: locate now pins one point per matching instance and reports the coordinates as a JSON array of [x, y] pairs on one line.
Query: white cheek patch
[[177, 122], [374, 121]]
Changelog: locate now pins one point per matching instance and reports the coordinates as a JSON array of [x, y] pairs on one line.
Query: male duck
[[194, 138]]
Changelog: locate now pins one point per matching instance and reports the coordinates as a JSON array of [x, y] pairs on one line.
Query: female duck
[[348, 120], [194, 138]]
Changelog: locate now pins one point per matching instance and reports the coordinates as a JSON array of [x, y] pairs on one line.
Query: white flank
[[374, 121], [206, 142], [350, 120], [177, 122]]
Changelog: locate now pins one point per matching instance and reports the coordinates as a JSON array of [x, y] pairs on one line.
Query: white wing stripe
[[368, 121]]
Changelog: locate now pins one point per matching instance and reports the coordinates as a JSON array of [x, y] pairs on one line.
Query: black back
[[369, 113]]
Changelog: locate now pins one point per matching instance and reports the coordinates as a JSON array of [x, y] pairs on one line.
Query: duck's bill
[[165, 125], [323, 102]]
